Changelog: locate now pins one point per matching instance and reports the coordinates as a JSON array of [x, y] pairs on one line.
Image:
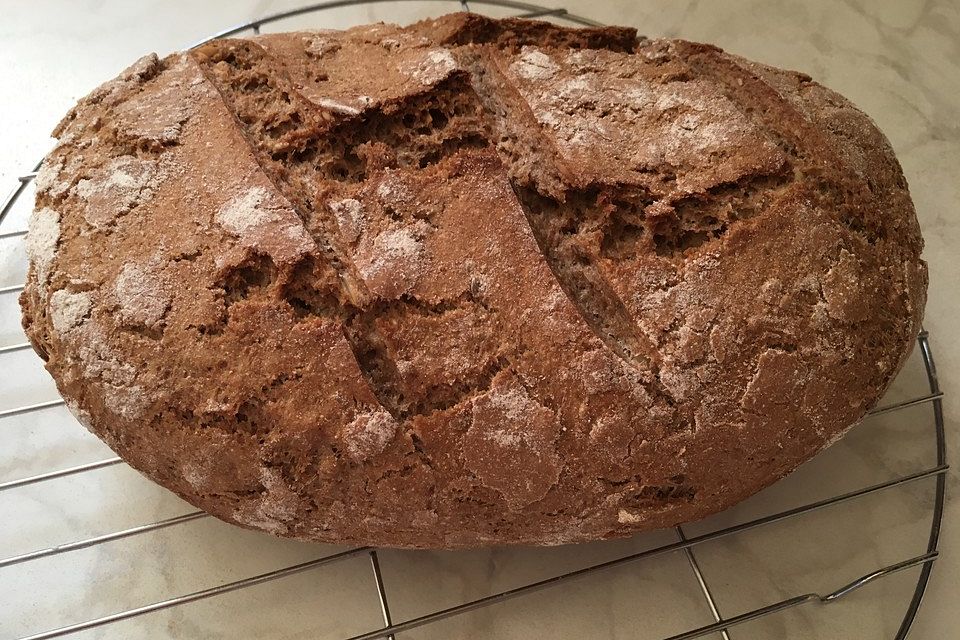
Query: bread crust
[[471, 281]]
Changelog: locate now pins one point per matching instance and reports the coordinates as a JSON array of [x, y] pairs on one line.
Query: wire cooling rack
[[684, 543]]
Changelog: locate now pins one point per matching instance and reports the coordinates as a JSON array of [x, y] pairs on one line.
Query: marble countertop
[[898, 60]]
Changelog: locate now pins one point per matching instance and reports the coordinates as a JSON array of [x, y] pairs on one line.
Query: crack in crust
[[310, 156]]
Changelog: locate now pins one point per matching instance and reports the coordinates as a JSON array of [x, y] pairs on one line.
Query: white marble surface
[[899, 60]]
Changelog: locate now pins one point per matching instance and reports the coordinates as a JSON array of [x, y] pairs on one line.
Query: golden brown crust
[[470, 281]]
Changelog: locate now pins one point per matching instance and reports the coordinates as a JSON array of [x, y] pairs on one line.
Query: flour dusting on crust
[[126, 401], [335, 105], [103, 367], [434, 66], [143, 294], [43, 234], [534, 64], [48, 179], [350, 218], [264, 220], [82, 415], [368, 434], [510, 444], [124, 183], [67, 310], [394, 260]]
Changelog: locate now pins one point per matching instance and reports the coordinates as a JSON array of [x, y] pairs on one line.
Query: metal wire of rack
[[685, 544]]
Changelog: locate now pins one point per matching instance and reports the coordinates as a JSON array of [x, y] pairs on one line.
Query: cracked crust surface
[[470, 281]]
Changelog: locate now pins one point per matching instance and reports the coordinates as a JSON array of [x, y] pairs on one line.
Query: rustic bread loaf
[[471, 281]]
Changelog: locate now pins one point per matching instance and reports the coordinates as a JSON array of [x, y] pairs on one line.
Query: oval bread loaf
[[470, 281]]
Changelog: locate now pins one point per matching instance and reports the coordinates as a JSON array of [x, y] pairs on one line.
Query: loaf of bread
[[470, 281]]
